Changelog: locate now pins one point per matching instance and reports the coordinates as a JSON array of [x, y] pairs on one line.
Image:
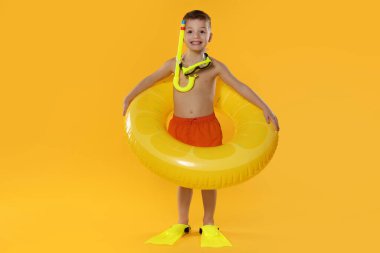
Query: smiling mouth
[[195, 43]]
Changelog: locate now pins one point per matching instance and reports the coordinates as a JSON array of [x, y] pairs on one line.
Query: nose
[[196, 35]]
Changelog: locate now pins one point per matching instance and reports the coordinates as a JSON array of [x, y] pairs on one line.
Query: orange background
[[70, 182]]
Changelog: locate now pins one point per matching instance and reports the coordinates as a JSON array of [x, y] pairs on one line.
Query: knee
[[209, 191], [181, 188]]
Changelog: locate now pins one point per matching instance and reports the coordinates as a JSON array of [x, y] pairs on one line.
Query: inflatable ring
[[250, 149]]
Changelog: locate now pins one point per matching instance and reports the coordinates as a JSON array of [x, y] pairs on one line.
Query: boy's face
[[197, 34]]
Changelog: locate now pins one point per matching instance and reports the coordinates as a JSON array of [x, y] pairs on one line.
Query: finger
[[276, 123]]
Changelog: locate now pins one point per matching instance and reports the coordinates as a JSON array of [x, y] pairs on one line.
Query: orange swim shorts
[[202, 131]]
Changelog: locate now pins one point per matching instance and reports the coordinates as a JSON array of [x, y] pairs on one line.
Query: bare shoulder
[[166, 69], [220, 67], [170, 64], [225, 74]]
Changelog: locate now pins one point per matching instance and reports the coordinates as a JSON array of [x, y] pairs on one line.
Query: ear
[[210, 37]]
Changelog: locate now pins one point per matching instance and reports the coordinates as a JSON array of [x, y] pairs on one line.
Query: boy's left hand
[[269, 116]]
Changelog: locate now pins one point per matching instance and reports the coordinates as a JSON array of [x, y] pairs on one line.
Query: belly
[[197, 102], [190, 106]]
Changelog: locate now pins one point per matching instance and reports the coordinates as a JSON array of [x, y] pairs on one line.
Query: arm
[[164, 71], [245, 91], [239, 87]]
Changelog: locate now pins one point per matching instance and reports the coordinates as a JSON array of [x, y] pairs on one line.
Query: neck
[[193, 56]]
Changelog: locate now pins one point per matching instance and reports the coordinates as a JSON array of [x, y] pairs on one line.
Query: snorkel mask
[[199, 65], [187, 71]]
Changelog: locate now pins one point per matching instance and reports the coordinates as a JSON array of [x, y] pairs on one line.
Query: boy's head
[[197, 14], [197, 30]]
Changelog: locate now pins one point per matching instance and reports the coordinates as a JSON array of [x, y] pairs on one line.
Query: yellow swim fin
[[212, 237], [170, 235]]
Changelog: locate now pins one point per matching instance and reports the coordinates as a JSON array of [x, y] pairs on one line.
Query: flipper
[[170, 235], [212, 237]]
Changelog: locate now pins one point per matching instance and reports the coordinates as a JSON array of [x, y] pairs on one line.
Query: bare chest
[[205, 79]]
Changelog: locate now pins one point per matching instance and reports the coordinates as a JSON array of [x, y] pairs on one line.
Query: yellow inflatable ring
[[245, 155]]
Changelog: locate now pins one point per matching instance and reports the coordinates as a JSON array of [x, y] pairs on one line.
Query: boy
[[194, 120]]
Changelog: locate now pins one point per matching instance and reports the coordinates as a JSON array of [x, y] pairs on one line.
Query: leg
[[184, 199], [209, 203], [176, 231]]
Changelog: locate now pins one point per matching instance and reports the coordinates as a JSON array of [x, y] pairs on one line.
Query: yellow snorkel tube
[[187, 70], [190, 84]]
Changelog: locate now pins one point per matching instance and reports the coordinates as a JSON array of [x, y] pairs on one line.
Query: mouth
[[195, 42]]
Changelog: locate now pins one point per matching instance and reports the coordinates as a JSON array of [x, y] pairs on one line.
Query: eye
[[202, 31], [188, 31]]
